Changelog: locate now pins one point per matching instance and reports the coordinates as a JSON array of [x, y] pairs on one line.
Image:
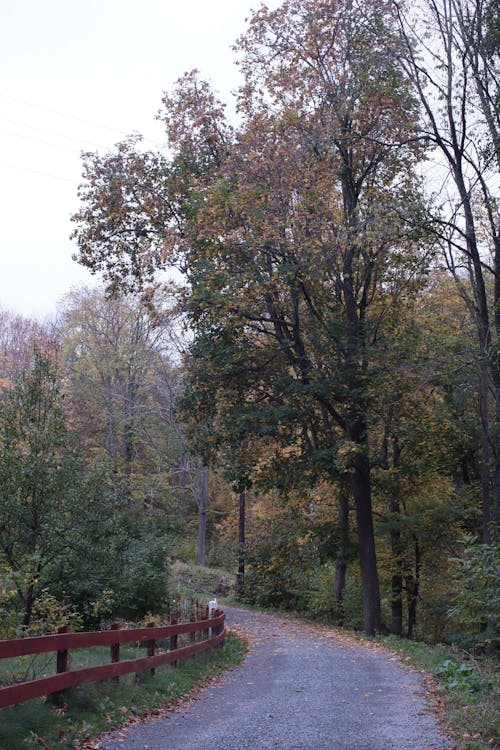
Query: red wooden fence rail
[[63, 642]]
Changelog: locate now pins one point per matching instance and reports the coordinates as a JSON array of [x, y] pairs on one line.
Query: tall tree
[[119, 369], [18, 337], [298, 238], [296, 235], [47, 502], [448, 55]]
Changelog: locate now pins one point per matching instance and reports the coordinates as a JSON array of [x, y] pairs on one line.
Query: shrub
[[476, 600], [459, 676]]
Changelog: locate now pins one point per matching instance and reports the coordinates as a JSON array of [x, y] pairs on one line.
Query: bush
[[476, 610], [141, 585], [10, 614], [353, 600], [125, 576], [318, 599], [459, 676], [279, 570]]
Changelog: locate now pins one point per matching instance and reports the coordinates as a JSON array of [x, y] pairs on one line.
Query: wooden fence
[[212, 633]]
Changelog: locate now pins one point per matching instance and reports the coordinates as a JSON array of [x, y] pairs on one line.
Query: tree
[[303, 233], [295, 235], [119, 371], [18, 336], [45, 501], [240, 576], [63, 531], [448, 57], [123, 390], [424, 441]]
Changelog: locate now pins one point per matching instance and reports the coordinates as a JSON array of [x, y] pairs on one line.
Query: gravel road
[[301, 687]]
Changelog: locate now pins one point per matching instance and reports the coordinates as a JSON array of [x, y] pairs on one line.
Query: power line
[[51, 132], [70, 117], [38, 140], [36, 171], [61, 114]]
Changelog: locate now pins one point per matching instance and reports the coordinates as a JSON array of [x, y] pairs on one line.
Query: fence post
[[206, 617], [212, 612], [151, 646], [192, 634], [57, 698], [219, 628], [115, 651], [62, 656], [173, 641]]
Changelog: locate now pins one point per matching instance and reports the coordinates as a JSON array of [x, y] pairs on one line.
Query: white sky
[[105, 63]]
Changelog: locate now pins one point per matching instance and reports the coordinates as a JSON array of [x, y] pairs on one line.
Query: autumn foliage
[[340, 374]]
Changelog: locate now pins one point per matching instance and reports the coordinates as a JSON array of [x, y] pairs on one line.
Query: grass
[[31, 667], [467, 687], [94, 708], [194, 582]]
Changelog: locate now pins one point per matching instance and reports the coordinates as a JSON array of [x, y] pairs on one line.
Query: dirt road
[[300, 688]]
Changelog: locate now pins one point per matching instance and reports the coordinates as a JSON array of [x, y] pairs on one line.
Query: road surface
[[301, 687]]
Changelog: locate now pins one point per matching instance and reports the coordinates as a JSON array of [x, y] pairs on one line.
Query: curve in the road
[[300, 688]]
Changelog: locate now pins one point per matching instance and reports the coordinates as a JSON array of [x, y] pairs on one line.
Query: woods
[[328, 259]]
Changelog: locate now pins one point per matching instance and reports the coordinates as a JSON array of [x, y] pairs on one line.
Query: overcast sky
[[80, 75]]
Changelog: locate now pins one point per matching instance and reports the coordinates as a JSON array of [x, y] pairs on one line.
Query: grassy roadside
[[466, 690], [95, 708]]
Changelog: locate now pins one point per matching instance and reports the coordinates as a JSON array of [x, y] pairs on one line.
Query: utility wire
[[36, 171], [70, 117], [38, 140], [61, 114], [51, 132]]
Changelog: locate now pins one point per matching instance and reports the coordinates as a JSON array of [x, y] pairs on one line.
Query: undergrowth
[[194, 582], [468, 686]]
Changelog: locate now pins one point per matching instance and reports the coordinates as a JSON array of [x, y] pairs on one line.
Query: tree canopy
[[309, 243]]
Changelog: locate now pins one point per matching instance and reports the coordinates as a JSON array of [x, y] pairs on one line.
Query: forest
[[291, 371]]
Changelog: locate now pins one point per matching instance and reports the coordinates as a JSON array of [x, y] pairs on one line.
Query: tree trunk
[[396, 550], [482, 321], [182, 491], [495, 527], [397, 603], [494, 536], [28, 605], [30, 596], [240, 577], [128, 458], [485, 451], [340, 562], [357, 432], [412, 589], [202, 513], [361, 488]]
